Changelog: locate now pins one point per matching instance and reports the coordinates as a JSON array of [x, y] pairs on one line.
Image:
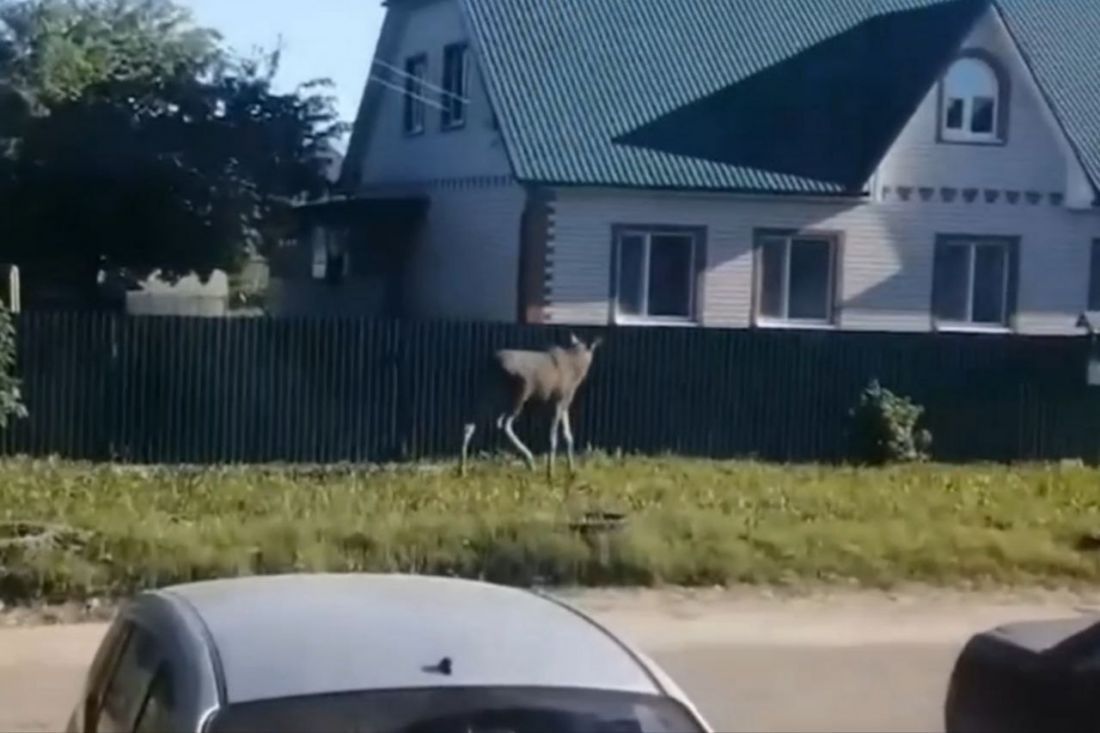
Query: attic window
[[973, 101], [416, 69], [454, 85]]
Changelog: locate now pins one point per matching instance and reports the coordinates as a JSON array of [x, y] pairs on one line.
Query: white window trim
[[647, 235], [785, 321], [462, 93], [970, 325], [966, 133], [795, 325], [963, 327]]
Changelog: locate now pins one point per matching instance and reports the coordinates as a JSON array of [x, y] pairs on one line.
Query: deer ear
[[595, 343], [573, 340]]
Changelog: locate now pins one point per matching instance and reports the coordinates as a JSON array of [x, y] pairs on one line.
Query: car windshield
[[465, 710]]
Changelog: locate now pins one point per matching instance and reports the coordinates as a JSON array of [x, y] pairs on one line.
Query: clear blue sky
[[321, 38]]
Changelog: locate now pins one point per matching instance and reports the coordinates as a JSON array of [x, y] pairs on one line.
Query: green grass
[[690, 522]]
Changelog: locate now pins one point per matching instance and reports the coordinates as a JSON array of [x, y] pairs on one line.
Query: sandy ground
[[752, 661]]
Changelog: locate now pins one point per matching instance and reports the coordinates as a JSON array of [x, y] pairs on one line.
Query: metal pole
[[15, 304]]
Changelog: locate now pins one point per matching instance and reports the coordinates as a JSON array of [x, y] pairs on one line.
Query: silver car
[[371, 653]]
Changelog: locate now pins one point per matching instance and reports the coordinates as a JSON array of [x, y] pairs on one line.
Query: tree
[[53, 50], [184, 160]]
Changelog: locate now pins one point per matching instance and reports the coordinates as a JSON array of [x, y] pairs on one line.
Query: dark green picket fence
[[314, 391]]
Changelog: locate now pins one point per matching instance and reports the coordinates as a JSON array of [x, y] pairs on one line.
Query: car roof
[[291, 635]]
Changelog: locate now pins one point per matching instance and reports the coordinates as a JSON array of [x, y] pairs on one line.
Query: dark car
[[1030, 676]]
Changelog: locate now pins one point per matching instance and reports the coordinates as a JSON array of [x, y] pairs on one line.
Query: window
[[331, 259], [481, 709], [1094, 277], [454, 85], [972, 102], [655, 274], [155, 713], [796, 276], [974, 280], [416, 70], [126, 690]]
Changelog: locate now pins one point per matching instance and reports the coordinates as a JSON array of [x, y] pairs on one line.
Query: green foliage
[[11, 398], [688, 522], [55, 50], [149, 147], [885, 428]]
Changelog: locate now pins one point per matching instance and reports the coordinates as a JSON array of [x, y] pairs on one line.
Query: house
[[899, 165]]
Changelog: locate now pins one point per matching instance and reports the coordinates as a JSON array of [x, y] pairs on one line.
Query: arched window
[[972, 99]]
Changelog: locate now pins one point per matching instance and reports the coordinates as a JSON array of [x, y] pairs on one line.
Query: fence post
[[114, 391]]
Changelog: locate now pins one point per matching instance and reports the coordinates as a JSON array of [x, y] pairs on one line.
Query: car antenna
[[444, 667]]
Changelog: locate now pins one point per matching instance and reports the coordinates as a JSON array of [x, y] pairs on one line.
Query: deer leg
[[554, 427], [527, 456], [467, 436], [567, 432]]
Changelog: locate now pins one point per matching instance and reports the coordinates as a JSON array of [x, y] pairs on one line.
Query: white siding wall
[[888, 244], [888, 250], [1031, 159], [390, 156], [466, 262], [464, 265]]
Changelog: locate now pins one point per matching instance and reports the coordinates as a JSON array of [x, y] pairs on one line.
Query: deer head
[[582, 353], [577, 345]]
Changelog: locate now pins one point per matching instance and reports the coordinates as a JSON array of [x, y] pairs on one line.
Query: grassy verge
[[689, 522]]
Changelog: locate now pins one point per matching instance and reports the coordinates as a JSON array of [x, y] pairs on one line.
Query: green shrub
[[885, 428], [11, 398]]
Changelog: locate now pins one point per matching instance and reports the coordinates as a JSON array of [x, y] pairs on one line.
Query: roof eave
[[857, 194]]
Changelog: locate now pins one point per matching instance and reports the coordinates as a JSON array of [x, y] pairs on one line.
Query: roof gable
[[786, 96], [827, 113], [1060, 43]]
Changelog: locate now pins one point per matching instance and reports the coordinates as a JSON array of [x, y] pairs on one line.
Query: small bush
[[885, 430], [11, 398]]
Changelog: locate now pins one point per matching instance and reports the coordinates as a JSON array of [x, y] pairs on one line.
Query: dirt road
[[752, 662]]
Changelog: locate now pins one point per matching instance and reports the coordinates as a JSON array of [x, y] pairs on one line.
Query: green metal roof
[[782, 96]]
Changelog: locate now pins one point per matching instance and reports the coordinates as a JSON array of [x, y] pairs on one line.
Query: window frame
[[102, 671], [835, 238], [698, 236], [330, 246], [1092, 301], [413, 106], [447, 122], [1002, 104], [1010, 281]]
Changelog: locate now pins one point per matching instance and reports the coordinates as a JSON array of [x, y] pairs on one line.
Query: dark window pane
[[631, 261], [154, 716], [670, 273], [126, 690], [811, 260], [773, 278], [981, 120], [951, 282], [481, 709], [954, 114], [989, 284], [1094, 277], [454, 83], [414, 107]]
